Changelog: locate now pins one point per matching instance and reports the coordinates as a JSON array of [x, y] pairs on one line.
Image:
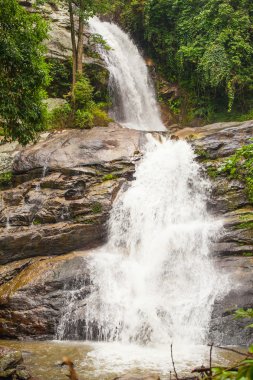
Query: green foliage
[[241, 313], [5, 179], [87, 112], [60, 117], [245, 225], [60, 74], [36, 222], [240, 166], [96, 208], [109, 177], [244, 371], [23, 72], [205, 44], [84, 113], [83, 92]]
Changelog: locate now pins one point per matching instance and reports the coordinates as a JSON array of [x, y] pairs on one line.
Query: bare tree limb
[[235, 351], [171, 351], [210, 361]]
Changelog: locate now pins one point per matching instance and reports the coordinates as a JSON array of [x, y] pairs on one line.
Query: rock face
[[214, 144], [59, 200], [62, 190], [34, 291]]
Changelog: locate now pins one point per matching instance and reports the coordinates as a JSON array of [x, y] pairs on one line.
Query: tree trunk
[[73, 41], [80, 45]]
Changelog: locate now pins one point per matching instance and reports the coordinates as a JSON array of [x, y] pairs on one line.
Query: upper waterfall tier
[[131, 88]]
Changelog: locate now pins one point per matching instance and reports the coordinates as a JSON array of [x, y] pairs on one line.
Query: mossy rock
[[109, 177], [5, 180], [96, 208]]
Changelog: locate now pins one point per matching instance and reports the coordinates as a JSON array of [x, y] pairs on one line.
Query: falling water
[[154, 282], [133, 95]]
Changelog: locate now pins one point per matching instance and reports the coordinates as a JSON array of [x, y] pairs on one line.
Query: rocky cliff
[[214, 144], [56, 199]]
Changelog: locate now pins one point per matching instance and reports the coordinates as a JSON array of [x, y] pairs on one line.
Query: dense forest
[[203, 49]]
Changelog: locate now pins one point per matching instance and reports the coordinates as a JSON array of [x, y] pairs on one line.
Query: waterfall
[[132, 92], [154, 282]]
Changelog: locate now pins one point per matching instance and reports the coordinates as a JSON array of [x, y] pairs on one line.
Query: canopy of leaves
[[23, 71], [205, 45], [207, 42]]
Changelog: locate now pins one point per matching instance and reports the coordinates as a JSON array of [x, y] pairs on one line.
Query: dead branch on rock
[[235, 351]]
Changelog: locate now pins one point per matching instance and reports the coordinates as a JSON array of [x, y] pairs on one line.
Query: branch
[[233, 350], [171, 351], [210, 362]]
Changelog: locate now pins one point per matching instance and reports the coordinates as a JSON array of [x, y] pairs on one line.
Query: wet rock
[[213, 144], [32, 300], [10, 365], [9, 359], [229, 201], [63, 189], [225, 329]]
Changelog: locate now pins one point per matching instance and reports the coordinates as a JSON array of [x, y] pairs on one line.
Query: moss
[[83, 219], [248, 254], [245, 225], [5, 180], [247, 216], [212, 172], [240, 166], [109, 177], [36, 221], [96, 208], [200, 152]]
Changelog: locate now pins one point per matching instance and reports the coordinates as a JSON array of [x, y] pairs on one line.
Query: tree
[[23, 72], [79, 13], [207, 44]]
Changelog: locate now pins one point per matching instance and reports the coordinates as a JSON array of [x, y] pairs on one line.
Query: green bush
[[60, 118], [83, 93], [82, 112], [240, 166], [5, 179], [60, 74]]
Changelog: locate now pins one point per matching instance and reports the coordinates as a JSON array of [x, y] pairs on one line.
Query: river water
[[43, 360]]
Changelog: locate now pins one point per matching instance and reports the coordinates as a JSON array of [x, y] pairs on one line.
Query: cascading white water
[[133, 95], [154, 282]]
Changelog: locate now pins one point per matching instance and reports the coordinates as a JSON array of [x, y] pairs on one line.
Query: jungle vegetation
[[203, 47]]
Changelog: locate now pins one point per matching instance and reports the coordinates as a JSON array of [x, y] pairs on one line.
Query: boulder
[[34, 292], [62, 190], [11, 367]]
